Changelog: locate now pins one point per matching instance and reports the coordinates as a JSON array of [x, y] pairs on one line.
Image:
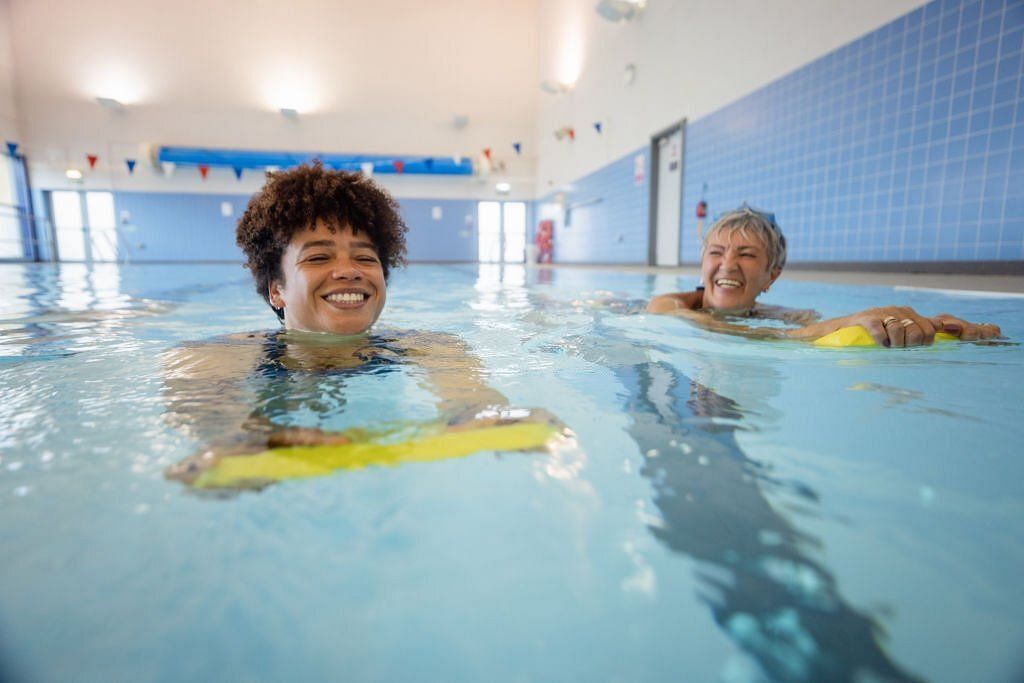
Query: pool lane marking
[[961, 292]]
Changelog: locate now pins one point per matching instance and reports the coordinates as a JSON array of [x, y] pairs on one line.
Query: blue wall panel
[[179, 227], [452, 238], [904, 145], [605, 215], [190, 227]]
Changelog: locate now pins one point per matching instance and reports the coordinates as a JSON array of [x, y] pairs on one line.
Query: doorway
[[501, 232], [667, 149], [84, 225]]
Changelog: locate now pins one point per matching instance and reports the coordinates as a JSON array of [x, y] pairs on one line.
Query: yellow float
[[298, 462], [858, 336]]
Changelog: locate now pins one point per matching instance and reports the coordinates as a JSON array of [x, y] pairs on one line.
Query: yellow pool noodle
[[858, 336], [314, 461]]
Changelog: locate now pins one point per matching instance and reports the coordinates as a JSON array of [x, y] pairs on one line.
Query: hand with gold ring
[[894, 326], [898, 326]]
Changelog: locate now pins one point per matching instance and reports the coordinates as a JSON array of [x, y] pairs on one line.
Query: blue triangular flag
[[238, 172], [429, 163], [597, 127], [12, 148], [131, 165], [518, 146]]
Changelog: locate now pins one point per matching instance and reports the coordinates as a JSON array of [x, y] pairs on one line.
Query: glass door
[[501, 232], [84, 225]]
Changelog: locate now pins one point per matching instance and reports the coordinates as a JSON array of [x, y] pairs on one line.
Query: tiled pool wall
[[906, 145]]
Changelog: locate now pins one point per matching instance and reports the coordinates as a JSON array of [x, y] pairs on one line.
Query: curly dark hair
[[293, 200]]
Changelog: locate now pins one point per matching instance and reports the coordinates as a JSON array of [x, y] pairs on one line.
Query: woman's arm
[[454, 375], [899, 326], [891, 326]]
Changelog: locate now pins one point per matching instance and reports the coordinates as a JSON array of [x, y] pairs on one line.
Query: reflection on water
[[762, 585], [48, 306], [758, 572]]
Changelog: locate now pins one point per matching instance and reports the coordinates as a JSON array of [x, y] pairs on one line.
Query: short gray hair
[[750, 222]]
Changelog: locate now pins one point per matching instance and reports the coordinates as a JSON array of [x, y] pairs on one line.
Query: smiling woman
[[331, 281], [317, 242], [320, 245], [743, 254]]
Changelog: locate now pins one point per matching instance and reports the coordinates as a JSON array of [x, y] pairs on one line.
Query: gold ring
[[889, 320], [907, 322]]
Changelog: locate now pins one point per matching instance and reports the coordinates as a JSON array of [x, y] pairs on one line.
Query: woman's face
[[332, 281], [735, 271]]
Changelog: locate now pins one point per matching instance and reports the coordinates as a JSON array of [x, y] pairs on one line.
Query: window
[[502, 232], [10, 218], [84, 225]]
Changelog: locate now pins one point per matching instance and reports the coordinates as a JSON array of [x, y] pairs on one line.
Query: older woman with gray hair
[[742, 255]]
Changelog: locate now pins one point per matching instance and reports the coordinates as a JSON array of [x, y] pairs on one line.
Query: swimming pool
[[729, 509]]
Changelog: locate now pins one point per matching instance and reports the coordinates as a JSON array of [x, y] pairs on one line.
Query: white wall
[[692, 57], [373, 77], [9, 129]]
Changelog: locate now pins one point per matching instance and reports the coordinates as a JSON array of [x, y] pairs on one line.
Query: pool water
[[727, 509]]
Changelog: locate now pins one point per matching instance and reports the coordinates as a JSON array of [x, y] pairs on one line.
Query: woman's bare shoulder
[[675, 301]]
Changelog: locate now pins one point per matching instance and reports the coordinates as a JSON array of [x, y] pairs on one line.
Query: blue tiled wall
[[607, 215], [451, 238], [180, 227], [190, 227], [905, 145]]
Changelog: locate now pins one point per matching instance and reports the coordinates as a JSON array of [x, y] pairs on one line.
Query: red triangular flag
[[203, 170], [399, 166], [487, 153], [572, 133], [92, 160]]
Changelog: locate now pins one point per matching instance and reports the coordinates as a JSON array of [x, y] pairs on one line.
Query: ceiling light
[[554, 87], [619, 10], [73, 174], [289, 113], [110, 103]]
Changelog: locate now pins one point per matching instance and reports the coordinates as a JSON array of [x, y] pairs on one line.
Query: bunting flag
[[367, 168], [399, 165], [457, 159], [92, 160], [12, 148], [429, 163], [487, 153], [238, 172], [518, 147], [572, 134], [203, 170], [597, 127], [130, 163], [167, 167]]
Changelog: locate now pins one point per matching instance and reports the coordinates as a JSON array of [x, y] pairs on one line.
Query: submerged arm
[[454, 375]]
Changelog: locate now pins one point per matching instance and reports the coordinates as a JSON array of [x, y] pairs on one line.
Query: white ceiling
[[372, 76]]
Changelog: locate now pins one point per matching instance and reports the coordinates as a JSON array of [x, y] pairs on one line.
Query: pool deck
[[1002, 284]]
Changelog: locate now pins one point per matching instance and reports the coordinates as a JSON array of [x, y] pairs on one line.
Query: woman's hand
[[901, 326], [895, 326], [950, 324]]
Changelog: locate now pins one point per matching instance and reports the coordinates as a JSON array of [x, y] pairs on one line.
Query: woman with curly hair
[[321, 245]]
